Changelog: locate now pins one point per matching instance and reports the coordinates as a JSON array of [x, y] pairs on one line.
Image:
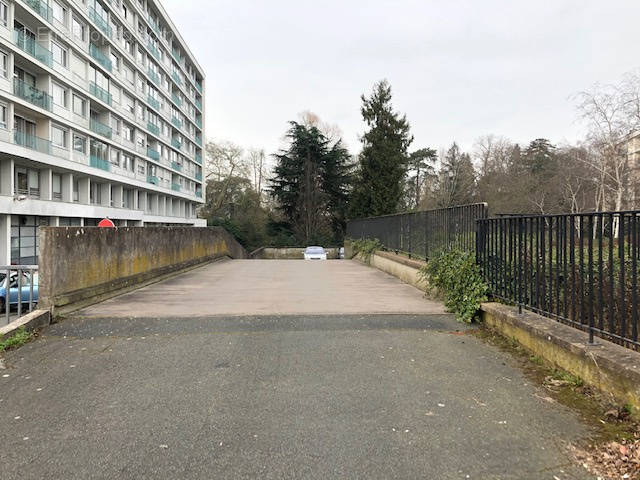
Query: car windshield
[[311, 250]]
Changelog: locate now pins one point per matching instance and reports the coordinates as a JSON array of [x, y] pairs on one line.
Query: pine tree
[[456, 182], [383, 160], [310, 184]]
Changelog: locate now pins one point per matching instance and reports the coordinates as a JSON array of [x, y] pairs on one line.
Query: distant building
[[101, 115]]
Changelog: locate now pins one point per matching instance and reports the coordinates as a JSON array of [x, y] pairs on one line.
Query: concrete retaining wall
[[80, 265], [291, 253]]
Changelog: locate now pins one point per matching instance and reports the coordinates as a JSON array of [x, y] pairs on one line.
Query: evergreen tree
[[457, 181], [420, 167], [383, 161], [310, 185]]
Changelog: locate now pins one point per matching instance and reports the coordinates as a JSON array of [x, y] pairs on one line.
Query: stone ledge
[[607, 366], [30, 321]]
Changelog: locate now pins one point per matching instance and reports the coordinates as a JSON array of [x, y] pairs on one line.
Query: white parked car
[[315, 253]]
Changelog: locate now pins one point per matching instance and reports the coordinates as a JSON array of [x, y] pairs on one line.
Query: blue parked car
[[13, 289]]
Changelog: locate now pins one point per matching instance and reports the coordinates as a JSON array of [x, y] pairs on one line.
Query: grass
[[21, 337]]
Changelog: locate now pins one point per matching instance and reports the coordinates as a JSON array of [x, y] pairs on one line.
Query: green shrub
[[456, 274], [365, 247]]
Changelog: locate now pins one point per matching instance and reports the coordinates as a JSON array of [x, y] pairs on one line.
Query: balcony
[[155, 78], [199, 141], [198, 159], [100, 128], [176, 78], [198, 123], [152, 179], [32, 94], [176, 166], [198, 193], [176, 143], [154, 51], [154, 26], [100, 57], [153, 128], [31, 141], [41, 9], [100, 93], [176, 56], [153, 102], [100, 22], [176, 122], [198, 104], [97, 162], [199, 86], [176, 99], [30, 46], [153, 154], [176, 187], [199, 176]]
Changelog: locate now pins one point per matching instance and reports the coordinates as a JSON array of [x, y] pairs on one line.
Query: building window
[[114, 157], [58, 136], [56, 186], [27, 181], [76, 188], [79, 143], [127, 162], [25, 239], [4, 61], [59, 94], [59, 12], [3, 115], [79, 106], [95, 193], [78, 30], [59, 54], [3, 13]]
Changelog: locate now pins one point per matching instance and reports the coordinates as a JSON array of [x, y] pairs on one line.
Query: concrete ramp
[[271, 287]]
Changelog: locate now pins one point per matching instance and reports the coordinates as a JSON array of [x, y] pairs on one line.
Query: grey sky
[[459, 69]]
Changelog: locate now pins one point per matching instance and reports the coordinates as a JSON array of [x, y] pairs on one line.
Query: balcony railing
[[176, 122], [41, 8], [100, 57], [152, 179], [153, 128], [32, 94], [198, 176], [198, 123], [100, 93], [97, 162], [30, 46], [153, 154], [199, 141], [176, 78], [153, 102], [199, 86], [198, 194], [100, 128], [100, 22], [198, 104], [176, 56], [176, 99], [153, 49], [176, 166], [175, 186], [31, 141], [176, 143], [198, 159], [153, 76]]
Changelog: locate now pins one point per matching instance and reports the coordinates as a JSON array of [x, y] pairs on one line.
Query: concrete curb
[[607, 366], [403, 268], [30, 321]]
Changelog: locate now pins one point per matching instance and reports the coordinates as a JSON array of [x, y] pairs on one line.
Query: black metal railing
[[580, 269], [424, 233]]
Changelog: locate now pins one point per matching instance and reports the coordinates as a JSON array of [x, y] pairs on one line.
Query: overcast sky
[[458, 69]]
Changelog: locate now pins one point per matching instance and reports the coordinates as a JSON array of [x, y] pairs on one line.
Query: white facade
[[101, 115]]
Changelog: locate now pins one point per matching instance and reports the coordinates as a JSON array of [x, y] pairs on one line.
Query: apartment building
[[101, 116]]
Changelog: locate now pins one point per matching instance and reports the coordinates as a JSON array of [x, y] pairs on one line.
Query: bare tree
[[224, 161], [609, 114], [258, 167], [329, 130]]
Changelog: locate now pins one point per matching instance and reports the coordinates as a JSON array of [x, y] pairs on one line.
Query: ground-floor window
[[68, 222], [25, 238]]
